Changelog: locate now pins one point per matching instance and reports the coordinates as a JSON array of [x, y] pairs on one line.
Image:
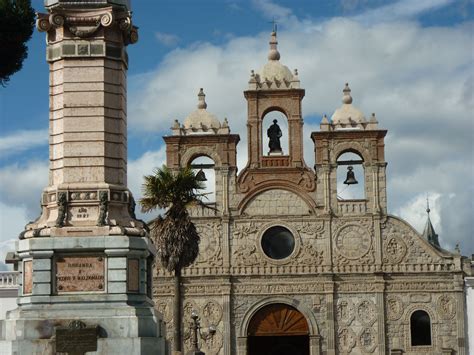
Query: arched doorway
[[278, 329]]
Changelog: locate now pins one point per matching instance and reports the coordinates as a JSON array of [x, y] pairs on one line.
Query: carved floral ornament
[[85, 24]]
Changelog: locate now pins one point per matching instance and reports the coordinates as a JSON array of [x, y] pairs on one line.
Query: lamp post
[[196, 330]]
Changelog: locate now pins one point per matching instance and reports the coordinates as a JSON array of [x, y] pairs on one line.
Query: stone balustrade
[[9, 279], [352, 207]]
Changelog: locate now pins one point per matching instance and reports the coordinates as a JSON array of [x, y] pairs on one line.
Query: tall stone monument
[[86, 261]]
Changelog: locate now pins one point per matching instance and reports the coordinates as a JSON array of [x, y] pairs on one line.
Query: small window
[[420, 328], [278, 242]]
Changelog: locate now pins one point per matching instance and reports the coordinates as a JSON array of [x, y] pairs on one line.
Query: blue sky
[[409, 61]]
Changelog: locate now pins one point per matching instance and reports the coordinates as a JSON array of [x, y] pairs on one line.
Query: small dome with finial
[[347, 114], [274, 70], [201, 120]]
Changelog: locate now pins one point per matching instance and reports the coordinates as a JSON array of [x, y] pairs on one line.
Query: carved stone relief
[[353, 244], [366, 312], [417, 252], [345, 311], [346, 339], [394, 307], [246, 255], [367, 339], [446, 307], [210, 253], [212, 311], [309, 230], [394, 250], [244, 230], [309, 255], [213, 344], [353, 241]]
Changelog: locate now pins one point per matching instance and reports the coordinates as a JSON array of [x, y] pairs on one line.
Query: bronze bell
[[350, 179], [200, 176]]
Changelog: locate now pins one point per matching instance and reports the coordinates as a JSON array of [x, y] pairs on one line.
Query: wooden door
[[278, 329]]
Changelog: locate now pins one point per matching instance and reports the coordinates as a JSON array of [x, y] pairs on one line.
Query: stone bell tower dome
[[275, 88]]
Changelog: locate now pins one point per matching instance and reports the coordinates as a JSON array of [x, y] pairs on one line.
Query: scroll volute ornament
[[278, 320]]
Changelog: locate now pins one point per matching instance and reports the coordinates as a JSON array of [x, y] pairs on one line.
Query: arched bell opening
[[278, 329], [203, 167], [350, 176], [275, 134]]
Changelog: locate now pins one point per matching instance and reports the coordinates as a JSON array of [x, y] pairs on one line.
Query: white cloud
[[21, 141], [417, 80], [167, 39], [400, 10], [21, 185]]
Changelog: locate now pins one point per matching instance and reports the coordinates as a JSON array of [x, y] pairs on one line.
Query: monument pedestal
[[100, 281]]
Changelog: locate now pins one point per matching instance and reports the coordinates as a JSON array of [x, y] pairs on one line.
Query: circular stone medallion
[[394, 250], [353, 241]]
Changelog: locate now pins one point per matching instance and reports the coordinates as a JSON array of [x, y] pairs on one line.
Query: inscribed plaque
[[77, 338], [80, 273], [133, 277], [27, 277]]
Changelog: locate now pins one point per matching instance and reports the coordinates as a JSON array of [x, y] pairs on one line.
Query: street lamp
[[196, 329]]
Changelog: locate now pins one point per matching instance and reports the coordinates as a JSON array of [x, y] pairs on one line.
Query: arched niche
[[350, 163], [268, 120]]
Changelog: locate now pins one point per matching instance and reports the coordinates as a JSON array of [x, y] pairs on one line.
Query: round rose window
[[278, 242]]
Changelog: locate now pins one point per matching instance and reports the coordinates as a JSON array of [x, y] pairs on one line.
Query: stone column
[[84, 260]]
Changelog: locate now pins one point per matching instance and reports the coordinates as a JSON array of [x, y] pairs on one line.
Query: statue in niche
[[274, 134]]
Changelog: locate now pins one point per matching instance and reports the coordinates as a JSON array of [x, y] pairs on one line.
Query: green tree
[[175, 236], [17, 20]]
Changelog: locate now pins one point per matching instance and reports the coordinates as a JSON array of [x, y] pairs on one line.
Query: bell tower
[[348, 132], [275, 89]]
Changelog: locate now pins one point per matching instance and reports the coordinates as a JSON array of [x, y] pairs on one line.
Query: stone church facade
[[287, 266]]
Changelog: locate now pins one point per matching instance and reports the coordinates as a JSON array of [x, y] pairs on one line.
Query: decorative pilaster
[[331, 340]]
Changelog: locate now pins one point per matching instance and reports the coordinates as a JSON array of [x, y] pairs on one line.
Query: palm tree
[[175, 235]]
